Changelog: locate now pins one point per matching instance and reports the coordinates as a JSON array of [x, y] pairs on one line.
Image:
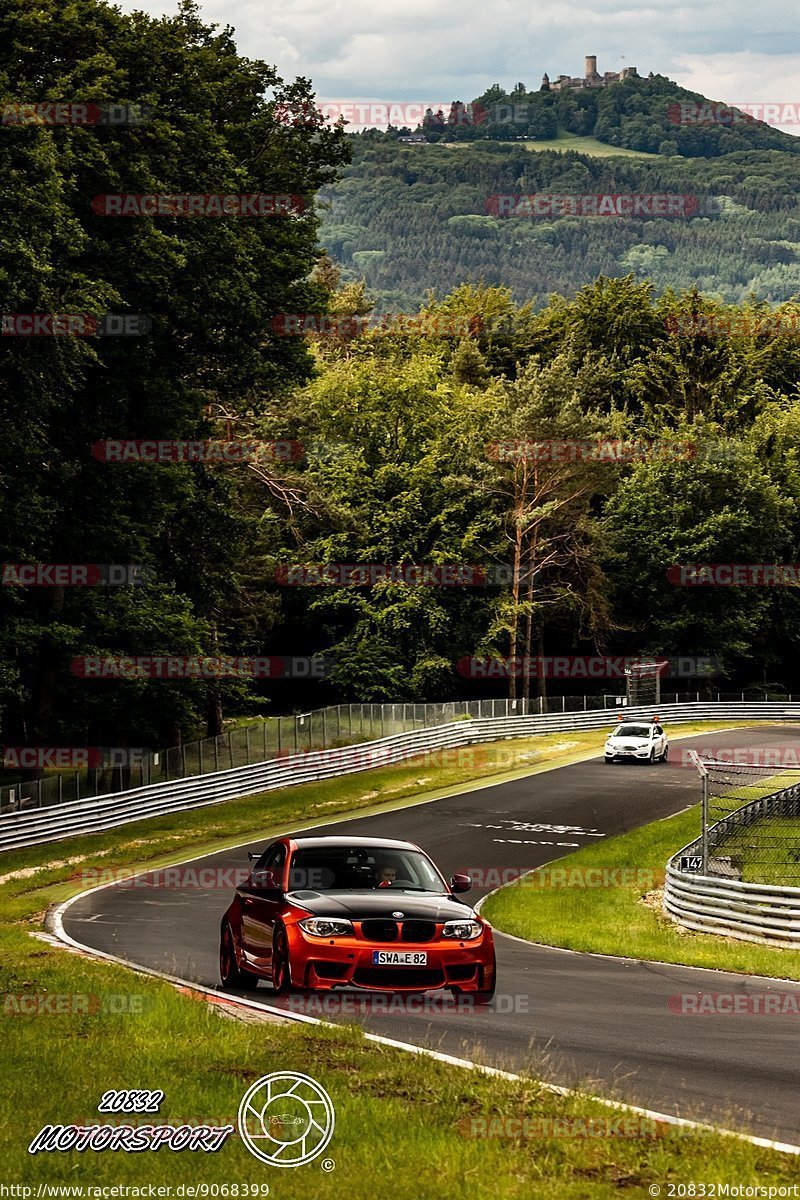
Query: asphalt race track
[[570, 1018]]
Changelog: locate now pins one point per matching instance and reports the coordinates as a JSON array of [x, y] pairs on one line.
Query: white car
[[644, 741]]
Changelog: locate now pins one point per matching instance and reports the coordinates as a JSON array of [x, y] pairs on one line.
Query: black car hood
[[430, 906]]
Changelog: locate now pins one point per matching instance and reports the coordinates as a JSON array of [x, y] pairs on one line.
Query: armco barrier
[[30, 828], [751, 912]]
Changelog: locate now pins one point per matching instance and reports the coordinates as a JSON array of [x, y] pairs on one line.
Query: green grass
[[570, 141], [626, 919], [403, 1122], [590, 146]]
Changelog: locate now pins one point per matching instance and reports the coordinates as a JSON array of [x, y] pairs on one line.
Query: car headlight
[[463, 930], [326, 927]]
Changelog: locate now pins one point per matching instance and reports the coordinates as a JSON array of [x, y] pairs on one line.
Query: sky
[[741, 52]]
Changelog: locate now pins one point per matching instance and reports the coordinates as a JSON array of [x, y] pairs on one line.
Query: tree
[[209, 287], [548, 480]]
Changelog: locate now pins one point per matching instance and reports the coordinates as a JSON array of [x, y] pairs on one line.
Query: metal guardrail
[[712, 903], [275, 737], [263, 738], [30, 828]]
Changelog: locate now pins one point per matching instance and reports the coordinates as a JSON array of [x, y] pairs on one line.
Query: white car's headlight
[[326, 927], [463, 930]]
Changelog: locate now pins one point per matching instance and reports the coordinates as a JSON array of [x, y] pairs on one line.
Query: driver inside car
[[385, 875]]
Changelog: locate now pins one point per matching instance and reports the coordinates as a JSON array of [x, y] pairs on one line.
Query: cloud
[[362, 49]]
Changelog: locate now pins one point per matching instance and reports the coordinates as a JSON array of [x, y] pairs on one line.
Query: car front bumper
[[325, 963]]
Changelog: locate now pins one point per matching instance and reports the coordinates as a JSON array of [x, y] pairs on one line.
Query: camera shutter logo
[[286, 1119]]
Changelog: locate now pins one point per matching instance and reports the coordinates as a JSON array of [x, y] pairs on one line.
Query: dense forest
[[414, 218], [405, 436]]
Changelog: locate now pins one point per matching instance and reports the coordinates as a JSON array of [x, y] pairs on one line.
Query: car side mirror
[[264, 882], [460, 882]]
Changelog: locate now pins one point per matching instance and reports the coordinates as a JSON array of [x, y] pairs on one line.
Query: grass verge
[[418, 1126], [625, 918], [588, 145]]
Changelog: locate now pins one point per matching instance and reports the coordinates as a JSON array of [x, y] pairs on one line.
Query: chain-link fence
[[751, 819], [321, 729]]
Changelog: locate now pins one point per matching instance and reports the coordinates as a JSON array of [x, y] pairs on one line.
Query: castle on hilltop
[[591, 77]]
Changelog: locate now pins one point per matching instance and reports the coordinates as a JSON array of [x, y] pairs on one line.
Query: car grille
[[398, 977], [383, 930], [418, 931], [379, 930]]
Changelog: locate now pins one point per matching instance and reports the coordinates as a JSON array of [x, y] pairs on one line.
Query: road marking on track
[[533, 842]]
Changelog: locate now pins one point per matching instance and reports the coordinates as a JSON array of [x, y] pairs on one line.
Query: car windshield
[[640, 731], [362, 868]]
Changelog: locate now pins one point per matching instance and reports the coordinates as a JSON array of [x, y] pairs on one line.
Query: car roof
[[330, 843]]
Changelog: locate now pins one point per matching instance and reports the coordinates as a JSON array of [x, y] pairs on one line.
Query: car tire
[[665, 755], [486, 996], [230, 973], [652, 757], [282, 977], [610, 762]]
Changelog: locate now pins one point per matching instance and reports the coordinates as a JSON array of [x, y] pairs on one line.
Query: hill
[[654, 115], [412, 218]]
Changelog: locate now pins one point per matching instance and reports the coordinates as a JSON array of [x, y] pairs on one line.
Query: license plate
[[399, 958]]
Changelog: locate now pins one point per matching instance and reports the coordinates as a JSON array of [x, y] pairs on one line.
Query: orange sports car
[[324, 912]]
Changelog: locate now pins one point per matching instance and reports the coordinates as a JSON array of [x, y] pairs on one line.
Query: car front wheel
[[281, 963]]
